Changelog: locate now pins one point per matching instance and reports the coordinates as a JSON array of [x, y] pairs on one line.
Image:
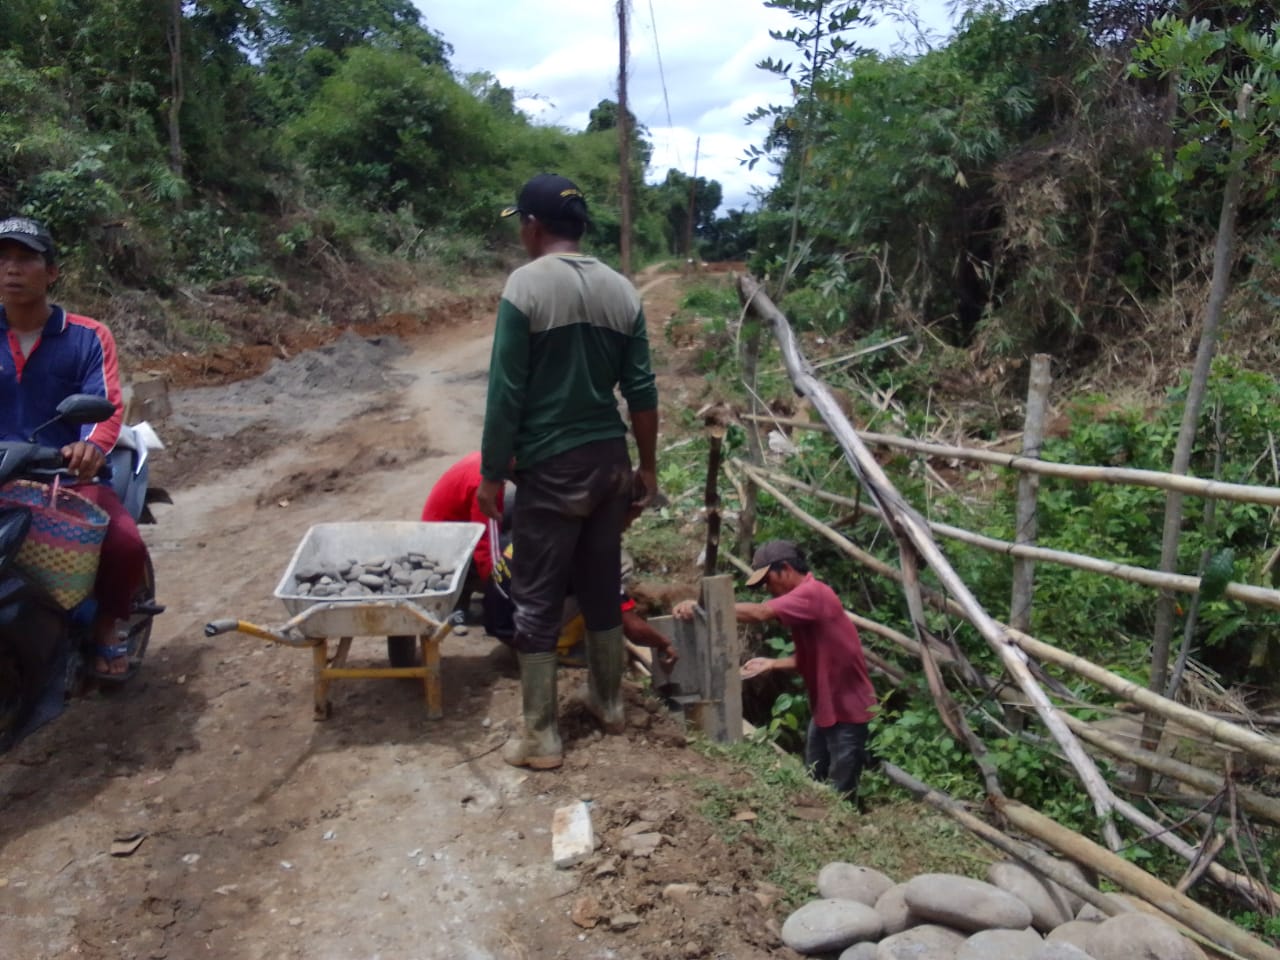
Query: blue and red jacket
[[73, 355]]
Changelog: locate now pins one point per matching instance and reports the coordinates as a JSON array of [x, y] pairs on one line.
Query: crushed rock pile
[[864, 915]]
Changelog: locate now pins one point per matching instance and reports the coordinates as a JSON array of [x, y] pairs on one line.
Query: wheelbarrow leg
[[319, 663], [431, 675]]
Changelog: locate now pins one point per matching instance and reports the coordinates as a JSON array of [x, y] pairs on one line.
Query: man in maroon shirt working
[[828, 655]]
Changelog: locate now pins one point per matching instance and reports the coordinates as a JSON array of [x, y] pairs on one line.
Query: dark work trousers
[[568, 529], [836, 754]]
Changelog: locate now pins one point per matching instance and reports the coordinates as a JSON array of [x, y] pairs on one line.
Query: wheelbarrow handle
[[220, 626]]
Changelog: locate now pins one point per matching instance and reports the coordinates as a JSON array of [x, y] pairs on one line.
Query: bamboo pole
[[1193, 486], [1201, 920], [1263, 747], [909, 527], [1259, 804], [1244, 592], [1036, 859], [1024, 575]]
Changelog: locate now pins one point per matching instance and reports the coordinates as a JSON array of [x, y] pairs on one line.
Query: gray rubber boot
[[606, 661], [539, 747]]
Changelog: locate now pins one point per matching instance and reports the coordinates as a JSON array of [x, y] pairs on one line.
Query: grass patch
[[896, 836]]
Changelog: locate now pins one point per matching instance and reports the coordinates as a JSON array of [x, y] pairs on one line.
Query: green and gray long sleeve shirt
[[569, 330]]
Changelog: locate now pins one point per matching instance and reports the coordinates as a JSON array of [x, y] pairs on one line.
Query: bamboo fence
[[1015, 649]]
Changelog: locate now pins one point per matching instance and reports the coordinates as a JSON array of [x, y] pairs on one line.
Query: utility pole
[[624, 143], [693, 192]]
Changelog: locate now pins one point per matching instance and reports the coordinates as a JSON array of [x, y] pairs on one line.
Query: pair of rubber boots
[[539, 747]]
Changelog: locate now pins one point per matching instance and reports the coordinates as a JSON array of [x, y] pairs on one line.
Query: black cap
[[550, 197], [775, 551], [30, 233]]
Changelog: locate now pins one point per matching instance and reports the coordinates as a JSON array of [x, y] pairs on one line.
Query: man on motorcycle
[[52, 354]]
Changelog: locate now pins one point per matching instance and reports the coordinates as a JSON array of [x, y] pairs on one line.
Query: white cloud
[[561, 58]]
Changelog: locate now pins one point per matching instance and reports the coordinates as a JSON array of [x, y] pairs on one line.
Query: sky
[[561, 58]]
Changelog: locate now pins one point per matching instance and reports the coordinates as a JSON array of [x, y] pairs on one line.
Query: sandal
[[110, 655]]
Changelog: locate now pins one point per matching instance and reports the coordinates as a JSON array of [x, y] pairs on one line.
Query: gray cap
[[767, 554]]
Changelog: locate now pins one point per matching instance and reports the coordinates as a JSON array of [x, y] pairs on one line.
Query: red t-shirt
[[828, 653], [453, 498]]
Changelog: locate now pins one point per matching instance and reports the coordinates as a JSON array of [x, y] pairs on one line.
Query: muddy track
[[378, 833]]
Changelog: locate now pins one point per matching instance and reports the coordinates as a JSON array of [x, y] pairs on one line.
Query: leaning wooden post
[[1028, 485], [722, 721], [715, 421]]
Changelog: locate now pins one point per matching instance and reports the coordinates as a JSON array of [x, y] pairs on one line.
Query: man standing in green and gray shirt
[[570, 329]]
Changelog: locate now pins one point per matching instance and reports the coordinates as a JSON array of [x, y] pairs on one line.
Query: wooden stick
[[1217, 930], [1024, 576], [1183, 583], [1259, 804], [711, 494], [1256, 744], [1238, 492]]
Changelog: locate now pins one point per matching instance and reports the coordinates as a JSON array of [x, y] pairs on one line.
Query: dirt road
[[378, 834]]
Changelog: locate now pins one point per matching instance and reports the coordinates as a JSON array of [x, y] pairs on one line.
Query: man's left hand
[[83, 459], [667, 657], [487, 498]]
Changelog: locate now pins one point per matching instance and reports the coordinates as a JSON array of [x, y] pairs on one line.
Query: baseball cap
[[549, 196], [30, 233], [768, 554]]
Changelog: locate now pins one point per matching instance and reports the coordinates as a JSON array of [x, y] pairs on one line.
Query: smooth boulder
[[1137, 936], [964, 903], [823, 926], [927, 942], [846, 881], [1074, 932], [1060, 951], [1050, 903], [893, 910], [860, 951], [1005, 944]]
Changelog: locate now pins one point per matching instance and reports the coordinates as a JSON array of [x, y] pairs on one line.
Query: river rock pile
[[407, 575], [864, 915]]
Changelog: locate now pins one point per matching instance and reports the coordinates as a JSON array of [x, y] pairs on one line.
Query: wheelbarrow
[[425, 613]]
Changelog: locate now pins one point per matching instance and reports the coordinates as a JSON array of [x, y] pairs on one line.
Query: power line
[[662, 77]]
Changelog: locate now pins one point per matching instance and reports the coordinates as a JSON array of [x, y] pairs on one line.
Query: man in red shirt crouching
[[828, 655]]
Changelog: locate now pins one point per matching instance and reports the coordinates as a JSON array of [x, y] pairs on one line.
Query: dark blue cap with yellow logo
[[550, 197]]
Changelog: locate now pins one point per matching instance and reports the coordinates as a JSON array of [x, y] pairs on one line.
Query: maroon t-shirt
[[828, 653]]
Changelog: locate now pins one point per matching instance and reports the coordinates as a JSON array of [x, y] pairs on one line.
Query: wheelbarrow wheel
[[402, 651]]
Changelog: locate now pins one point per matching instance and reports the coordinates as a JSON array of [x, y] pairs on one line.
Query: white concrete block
[[572, 840]]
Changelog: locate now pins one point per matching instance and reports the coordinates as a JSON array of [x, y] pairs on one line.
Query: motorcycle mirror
[[79, 409]]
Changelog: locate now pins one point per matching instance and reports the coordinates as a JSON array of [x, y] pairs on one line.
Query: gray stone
[[1137, 936], [845, 881], [964, 903], [1004, 944], [436, 582], [829, 925], [354, 572], [927, 942], [1127, 904], [893, 910], [1060, 951], [371, 581], [1050, 903], [1074, 932], [860, 951]]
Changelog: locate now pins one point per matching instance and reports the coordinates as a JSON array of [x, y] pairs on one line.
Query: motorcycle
[[47, 652]]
